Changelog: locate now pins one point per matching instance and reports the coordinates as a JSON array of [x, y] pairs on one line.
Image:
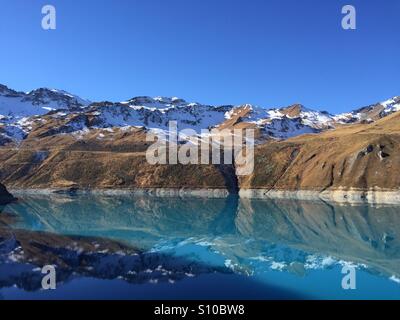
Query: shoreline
[[337, 196], [156, 192], [349, 196]]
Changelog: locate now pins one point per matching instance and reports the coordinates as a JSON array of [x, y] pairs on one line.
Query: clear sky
[[265, 52]]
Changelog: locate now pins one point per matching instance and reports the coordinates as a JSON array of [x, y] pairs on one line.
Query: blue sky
[[265, 52]]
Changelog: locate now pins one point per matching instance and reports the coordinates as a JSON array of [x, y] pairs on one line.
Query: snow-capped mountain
[[391, 105], [16, 105], [296, 120], [370, 113], [156, 113], [283, 123], [21, 112]]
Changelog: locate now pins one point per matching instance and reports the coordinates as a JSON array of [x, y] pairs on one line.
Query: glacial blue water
[[145, 247]]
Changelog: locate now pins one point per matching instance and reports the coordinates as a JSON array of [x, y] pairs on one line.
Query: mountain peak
[[293, 110], [40, 101], [158, 102], [4, 90], [56, 94]]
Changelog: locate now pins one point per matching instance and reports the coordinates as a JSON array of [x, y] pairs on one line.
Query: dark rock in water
[[5, 196], [67, 191]]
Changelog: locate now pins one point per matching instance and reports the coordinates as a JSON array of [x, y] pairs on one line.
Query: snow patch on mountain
[[285, 128], [364, 114], [283, 123], [315, 119], [348, 117], [150, 115], [391, 105], [161, 103], [15, 104], [12, 133]]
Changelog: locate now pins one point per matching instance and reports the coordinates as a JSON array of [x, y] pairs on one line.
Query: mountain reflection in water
[[252, 248]]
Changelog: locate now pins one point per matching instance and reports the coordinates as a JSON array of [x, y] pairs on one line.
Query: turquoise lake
[[146, 247]]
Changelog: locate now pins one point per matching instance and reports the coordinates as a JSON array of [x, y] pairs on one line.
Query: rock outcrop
[[5, 196]]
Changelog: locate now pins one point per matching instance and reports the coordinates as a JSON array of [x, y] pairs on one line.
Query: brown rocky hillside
[[360, 156]]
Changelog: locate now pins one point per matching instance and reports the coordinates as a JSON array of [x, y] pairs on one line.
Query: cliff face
[[5, 196]]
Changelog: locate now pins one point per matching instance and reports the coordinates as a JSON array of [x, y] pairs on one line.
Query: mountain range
[[19, 112], [51, 139]]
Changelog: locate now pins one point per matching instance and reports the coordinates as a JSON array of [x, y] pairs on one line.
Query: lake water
[[146, 247]]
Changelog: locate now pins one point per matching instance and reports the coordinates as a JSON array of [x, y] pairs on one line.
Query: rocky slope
[[360, 157], [52, 139]]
